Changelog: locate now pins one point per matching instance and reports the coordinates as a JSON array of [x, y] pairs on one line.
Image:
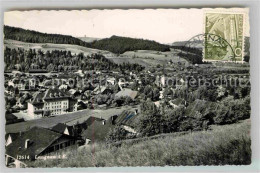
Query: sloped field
[[224, 145]]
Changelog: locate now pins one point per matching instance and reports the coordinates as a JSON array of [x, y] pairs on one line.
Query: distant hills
[[194, 44], [19, 34], [120, 45], [199, 44], [195, 48], [89, 39], [113, 44], [179, 43]]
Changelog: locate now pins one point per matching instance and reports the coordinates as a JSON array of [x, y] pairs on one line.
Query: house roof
[[51, 93], [91, 120], [40, 138], [100, 89], [14, 136], [72, 91], [60, 128], [96, 131], [126, 118], [127, 92], [178, 101], [37, 97], [55, 93], [9, 116]]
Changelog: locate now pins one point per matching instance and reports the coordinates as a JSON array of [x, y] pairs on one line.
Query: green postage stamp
[[224, 35]]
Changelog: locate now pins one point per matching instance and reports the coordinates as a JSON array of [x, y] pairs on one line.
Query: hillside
[[197, 46], [113, 44], [146, 58], [120, 45], [223, 145], [19, 34]]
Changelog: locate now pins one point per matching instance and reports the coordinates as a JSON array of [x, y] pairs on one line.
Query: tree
[[116, 134], [172, 119], [149, 121], [245, 91], [148, 91], [156, 94]]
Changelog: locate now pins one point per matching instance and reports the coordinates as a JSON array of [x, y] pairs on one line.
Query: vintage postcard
[[127, 88]]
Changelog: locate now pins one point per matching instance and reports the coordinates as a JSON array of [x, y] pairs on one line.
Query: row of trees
[[153, 120], [58, 60], [20, 34], [120, 45]]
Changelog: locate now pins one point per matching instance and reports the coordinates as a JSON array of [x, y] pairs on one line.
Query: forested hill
[[120, 45], [20, 34], [113, 44]]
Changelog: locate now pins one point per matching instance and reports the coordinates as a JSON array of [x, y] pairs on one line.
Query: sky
[[161, 25]]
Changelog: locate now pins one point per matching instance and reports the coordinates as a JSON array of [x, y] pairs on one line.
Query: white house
[[52, 101]]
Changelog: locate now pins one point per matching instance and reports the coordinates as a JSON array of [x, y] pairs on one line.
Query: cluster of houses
[[52, 143], [60, 96], [54, 94], [58, 93]]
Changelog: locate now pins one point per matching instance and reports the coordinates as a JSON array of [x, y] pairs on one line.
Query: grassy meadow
[[146, 58], [75, 49], [222, 145]]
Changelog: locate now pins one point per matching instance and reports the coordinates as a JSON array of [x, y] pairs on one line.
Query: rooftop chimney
[[27, 141]]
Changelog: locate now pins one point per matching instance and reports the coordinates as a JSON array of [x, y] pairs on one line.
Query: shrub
[[116, 134]]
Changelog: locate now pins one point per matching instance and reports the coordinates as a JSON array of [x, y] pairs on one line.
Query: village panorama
[[121, 101]]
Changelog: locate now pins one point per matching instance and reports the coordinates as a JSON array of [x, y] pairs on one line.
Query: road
[[70, 119]]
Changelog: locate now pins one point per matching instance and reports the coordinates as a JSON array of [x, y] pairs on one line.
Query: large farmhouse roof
[[127, 92], [51, 93], [38, 140], [55, 93]]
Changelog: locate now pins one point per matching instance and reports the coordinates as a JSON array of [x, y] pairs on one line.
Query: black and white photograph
[[127, 87]]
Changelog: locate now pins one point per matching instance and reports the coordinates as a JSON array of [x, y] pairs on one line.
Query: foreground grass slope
[[229, 144]]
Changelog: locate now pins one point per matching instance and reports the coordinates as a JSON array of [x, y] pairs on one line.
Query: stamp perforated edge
[[246, 26]]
